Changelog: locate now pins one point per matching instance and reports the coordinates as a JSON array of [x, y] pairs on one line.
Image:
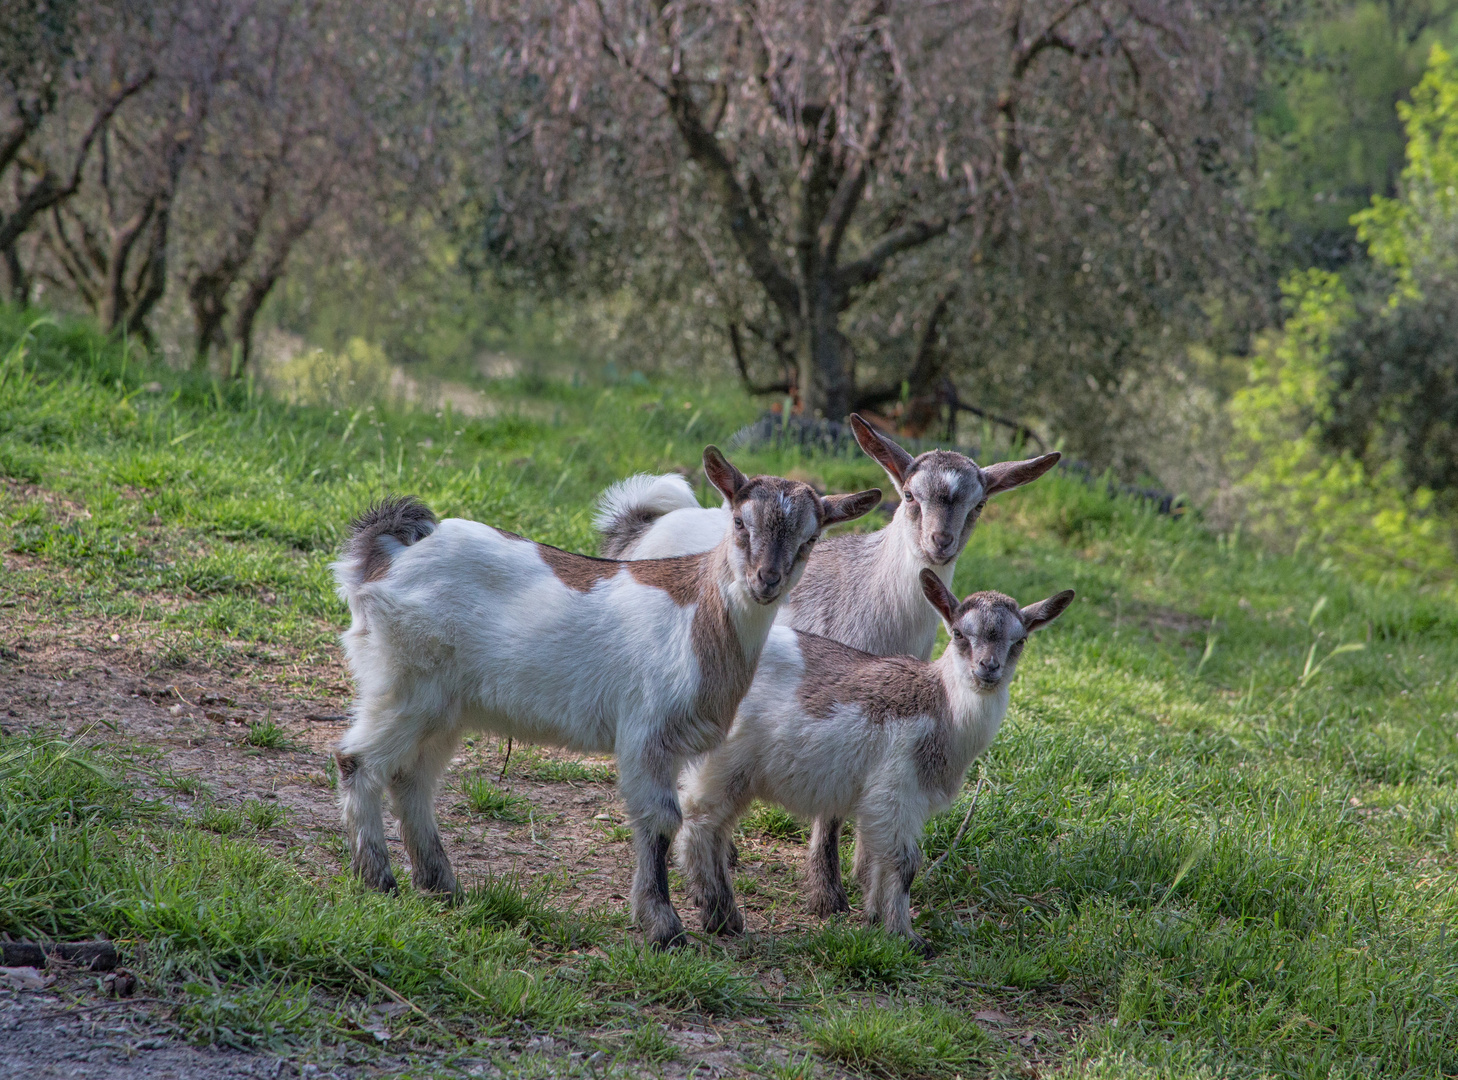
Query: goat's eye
[[959, 635], [739, 523], [910, 498]]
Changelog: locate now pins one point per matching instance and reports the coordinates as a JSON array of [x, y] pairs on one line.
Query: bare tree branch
[[46, 192], [736, 345], [869, 266]]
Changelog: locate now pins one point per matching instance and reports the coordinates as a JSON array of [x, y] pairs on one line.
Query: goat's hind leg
[[361, 805], [413, 787], [822, 869]]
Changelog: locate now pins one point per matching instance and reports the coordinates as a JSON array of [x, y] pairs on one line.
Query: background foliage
[[1090, 220]]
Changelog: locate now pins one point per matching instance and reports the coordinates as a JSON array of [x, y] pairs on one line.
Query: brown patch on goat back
[[886, 687], [678, 575], [580, 572]]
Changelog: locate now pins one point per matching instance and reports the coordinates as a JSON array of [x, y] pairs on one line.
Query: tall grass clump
[[485, 798], [900, 1041]]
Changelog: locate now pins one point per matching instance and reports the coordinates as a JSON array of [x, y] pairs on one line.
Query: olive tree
[[48, 125], [798, 155]]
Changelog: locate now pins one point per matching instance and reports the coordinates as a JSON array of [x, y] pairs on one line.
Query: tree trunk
[[826, 380], [207, 297], [17, 281]]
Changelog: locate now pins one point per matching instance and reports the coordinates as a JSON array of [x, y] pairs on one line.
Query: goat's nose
[[988, 670], [768, 578], [942, 540]]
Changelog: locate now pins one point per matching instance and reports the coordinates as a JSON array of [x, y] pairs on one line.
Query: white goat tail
[[393, 523], [629, 508]]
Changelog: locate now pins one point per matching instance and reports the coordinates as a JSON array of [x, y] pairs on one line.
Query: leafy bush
[[1345, 431], [1295, 489]]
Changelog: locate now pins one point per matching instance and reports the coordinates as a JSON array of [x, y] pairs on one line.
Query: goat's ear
[[721, 474], [940, 597], [891, 457], [839, 508], [1006, 475], [1036, 616]]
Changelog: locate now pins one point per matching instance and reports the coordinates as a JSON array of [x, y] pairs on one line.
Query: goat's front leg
[[891, 859], [413, 787], [647, 778], [714, 800], [822, 869], [896, 906]]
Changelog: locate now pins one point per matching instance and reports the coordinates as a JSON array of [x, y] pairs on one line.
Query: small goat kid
[[458, 626], [831, 732]]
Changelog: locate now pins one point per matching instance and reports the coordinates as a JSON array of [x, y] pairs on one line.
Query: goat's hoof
[[823, 906], [671, 941], [726, 923], [440, 886], [921, 946], [733, 855], [665, 931], [381, 880]]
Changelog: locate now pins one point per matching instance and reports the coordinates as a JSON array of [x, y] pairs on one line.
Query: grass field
[[1217, 837]]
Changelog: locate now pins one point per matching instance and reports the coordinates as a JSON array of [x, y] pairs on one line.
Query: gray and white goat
[[830, 732], [457, 626]]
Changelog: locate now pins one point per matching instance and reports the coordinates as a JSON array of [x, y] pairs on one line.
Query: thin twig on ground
[[981, 779]]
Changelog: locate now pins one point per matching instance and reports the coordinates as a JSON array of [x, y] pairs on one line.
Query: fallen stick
[[958, 838], [91, 955]]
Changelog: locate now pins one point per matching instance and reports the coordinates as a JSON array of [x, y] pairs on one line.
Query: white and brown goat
[[457, 626], [831, 732]]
